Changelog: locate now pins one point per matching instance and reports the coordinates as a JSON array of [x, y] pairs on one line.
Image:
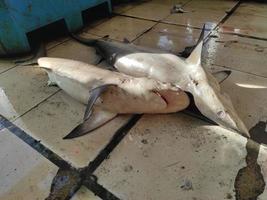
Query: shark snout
[[230, 119]]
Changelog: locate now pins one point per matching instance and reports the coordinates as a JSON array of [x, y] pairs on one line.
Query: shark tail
[[86, 41]]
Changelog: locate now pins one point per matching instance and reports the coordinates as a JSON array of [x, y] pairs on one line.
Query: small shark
[[187, 74], [109, 93]]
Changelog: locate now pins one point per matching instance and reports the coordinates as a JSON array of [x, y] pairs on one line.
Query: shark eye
[[221, 114]]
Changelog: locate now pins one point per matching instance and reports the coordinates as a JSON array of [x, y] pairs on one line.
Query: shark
[[107, 93], [185, 73]]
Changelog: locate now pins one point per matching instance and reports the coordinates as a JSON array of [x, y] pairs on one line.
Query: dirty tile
[[174, 157], [248, 94], [84, 194], [74, 50], [119, 28], [195, 17], [55, 118], [253, 8], [211, 5], [21, 88], [244, 24], [169, 37], [240, 53], [150, 11], [24, 173], [123, 7]]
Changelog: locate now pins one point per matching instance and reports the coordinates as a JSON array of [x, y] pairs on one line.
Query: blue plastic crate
[[18, 17]]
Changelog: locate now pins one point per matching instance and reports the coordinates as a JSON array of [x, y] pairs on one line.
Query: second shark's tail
[[86, 41]]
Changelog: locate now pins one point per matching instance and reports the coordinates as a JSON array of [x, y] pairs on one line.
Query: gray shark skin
[[187, 74]]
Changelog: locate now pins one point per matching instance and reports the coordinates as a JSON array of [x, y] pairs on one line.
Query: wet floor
[[172, 156]]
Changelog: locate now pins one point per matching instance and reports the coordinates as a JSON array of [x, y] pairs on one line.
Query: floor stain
[[65, 184], [259, 133], [249, 182]]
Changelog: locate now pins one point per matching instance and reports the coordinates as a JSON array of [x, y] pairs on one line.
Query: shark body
[[108, 93], [187, 74]]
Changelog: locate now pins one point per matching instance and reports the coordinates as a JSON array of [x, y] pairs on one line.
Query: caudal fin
[[86, 41]]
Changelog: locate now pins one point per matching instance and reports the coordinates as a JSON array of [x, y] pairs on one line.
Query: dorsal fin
[[195, 56]]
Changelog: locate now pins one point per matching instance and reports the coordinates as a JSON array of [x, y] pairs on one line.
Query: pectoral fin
[[221, 75], [93, 118], [95, 93], [97, 119]]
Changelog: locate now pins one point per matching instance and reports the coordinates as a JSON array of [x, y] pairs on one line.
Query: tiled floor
[[157, 157]]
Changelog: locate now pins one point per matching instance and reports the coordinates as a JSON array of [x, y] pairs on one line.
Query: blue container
[[18, 17]]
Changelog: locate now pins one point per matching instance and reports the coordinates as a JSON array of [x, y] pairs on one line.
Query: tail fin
[[86, 41]]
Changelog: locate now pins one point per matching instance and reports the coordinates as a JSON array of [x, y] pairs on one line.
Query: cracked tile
[[55, 118], [169, 37], [21, 88], [240, 53], [119, 28], [150, 11], [158, 159], [25, 174]]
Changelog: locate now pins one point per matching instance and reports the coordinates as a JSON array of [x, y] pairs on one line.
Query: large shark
[[108, 93], [187, 74]]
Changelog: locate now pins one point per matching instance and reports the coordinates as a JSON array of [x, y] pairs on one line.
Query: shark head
[[208, 97]]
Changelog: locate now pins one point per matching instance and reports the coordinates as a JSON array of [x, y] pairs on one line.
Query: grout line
[[35, 106], [116, 139], [57, 44], [56, 160], [35, 144], [228, 15], [245, 72], [245, 36], [230, 12], [160, 21], [8, 69], [187, 2], [99, 190]]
